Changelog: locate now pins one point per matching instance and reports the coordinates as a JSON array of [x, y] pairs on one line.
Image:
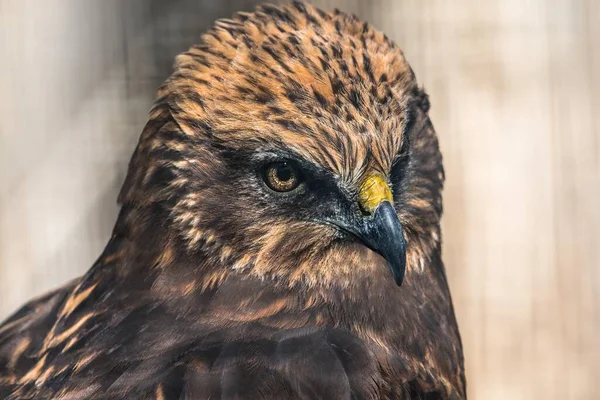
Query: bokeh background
[[515, 89]]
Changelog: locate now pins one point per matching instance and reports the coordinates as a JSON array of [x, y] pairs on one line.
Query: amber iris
[[281, 177]]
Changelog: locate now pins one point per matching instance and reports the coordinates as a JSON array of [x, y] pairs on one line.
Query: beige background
[[515, 87]]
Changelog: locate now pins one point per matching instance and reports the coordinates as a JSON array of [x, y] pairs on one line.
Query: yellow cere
[[373, 191]]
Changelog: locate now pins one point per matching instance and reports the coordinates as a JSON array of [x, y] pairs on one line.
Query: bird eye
[[281, 176]]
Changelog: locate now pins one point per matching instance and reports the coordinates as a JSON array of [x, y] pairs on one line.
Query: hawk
[[279, 234]]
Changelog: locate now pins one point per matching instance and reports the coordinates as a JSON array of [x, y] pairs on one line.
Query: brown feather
[[212, 287]]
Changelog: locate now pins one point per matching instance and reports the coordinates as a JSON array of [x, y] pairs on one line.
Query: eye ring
[[281, 176]]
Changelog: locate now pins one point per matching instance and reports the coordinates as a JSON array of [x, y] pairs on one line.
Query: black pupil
[[284, 173]]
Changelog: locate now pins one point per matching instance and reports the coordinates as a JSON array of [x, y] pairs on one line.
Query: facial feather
[[326, 89]]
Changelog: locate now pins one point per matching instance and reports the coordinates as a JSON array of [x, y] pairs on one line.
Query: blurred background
[[515, 91]]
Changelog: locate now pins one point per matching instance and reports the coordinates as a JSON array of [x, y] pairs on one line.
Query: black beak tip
[[397, 272], [385, 235], [382, 232]]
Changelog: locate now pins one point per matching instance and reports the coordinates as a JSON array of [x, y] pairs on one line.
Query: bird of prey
[[279, 234]]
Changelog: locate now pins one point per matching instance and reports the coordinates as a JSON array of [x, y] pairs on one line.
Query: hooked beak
[[380, 229], [382, 232]]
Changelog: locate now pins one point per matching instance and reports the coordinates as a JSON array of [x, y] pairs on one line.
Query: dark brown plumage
[[217, 285]]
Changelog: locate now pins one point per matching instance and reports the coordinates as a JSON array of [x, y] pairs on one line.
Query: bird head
[[291, 144]]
